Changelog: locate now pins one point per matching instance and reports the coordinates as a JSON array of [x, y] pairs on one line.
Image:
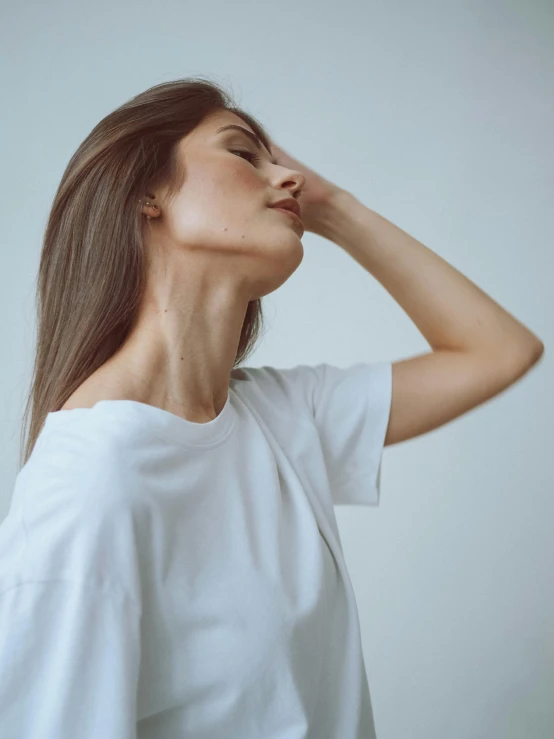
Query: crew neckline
[[159, 421]]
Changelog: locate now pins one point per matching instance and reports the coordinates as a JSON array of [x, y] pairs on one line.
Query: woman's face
[[222, 210]]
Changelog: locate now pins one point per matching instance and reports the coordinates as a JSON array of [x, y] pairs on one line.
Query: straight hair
[[92, 270]]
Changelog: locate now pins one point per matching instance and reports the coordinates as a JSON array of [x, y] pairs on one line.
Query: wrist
[[336, 215]]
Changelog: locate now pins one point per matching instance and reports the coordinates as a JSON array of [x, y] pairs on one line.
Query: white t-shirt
[[161, 578]]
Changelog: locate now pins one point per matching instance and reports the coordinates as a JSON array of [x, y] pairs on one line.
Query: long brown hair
[[91, 274]]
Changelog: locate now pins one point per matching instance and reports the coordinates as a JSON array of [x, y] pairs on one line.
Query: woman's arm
[[478, 348]]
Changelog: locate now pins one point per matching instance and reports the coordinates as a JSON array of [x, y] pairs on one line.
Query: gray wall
[[439, 116]]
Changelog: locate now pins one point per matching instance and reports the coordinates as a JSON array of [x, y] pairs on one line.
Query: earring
[[152, 205]]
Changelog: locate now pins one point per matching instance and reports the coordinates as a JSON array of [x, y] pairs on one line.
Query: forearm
[[450, 311]]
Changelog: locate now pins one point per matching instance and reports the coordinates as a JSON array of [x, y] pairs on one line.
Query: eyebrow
[[252, 136]]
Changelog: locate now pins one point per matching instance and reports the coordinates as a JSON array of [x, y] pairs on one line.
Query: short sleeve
[[348, 407], [351, 408], [69, 662], [70, 642]]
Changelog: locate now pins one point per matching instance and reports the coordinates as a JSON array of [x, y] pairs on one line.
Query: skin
[[218, 245], [213, 248]]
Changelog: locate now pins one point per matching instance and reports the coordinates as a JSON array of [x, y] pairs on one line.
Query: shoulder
[[74, 462], [277, 386], [313, 387], [74, 504]]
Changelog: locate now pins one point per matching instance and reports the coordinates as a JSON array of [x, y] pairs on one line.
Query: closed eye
[[250, 155]]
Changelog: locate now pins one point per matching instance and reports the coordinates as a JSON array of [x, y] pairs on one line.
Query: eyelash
[[254, 158]]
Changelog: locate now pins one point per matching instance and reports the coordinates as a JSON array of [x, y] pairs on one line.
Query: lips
[[288, 204]]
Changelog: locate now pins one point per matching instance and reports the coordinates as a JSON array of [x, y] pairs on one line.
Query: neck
[[182, 349]]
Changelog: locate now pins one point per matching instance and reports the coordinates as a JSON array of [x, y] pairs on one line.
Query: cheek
[[231, 200], [238, 181], [208, 218]]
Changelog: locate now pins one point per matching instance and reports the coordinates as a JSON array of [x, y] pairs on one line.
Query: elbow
[[522, 359]]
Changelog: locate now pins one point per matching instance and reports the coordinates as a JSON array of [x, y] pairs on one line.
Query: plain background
[[439, 116]]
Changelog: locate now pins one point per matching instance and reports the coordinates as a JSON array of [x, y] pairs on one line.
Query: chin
[[278, 270], [288, 263]]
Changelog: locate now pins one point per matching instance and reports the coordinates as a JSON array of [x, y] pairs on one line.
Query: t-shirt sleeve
[[69, 661], [351, 408]]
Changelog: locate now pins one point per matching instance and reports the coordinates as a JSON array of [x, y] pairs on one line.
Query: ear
[[149, 208]]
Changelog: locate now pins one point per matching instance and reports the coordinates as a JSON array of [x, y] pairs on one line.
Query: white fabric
[[163, 579]]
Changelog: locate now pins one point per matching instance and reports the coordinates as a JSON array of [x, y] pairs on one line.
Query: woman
[[171, 563]]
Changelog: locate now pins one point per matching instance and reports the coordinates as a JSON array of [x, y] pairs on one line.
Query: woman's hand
[[317, 193]]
